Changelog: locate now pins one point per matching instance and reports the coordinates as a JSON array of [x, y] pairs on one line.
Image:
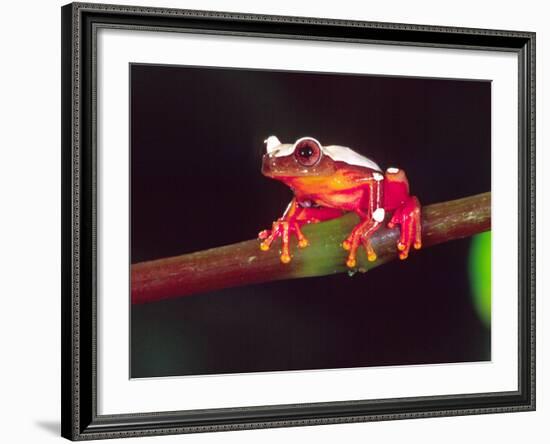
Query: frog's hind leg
[[409, 218], [406, 211]]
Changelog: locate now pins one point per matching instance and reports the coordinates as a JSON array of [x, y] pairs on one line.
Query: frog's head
[[305, 157]]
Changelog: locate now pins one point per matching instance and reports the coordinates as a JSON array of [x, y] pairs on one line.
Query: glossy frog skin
[[329, 181]]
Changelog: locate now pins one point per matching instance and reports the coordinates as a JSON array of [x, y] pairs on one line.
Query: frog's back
[[344, 154]]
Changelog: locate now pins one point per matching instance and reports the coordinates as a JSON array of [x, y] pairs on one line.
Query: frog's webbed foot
[[361, 235], [409, 218], [282, 228]]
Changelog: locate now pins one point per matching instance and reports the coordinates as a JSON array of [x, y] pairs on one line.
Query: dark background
[[196, 147]]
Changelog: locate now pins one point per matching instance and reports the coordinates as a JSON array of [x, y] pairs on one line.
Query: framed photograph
[[279, 221]]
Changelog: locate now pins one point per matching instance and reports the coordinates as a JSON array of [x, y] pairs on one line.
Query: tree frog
[[329, 181]]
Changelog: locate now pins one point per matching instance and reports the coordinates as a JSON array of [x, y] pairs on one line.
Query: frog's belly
[[348, 200]]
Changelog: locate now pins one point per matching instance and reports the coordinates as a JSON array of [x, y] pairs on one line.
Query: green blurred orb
[[480, 275]]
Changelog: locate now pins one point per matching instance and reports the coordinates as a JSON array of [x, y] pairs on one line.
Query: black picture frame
[[80, 419]]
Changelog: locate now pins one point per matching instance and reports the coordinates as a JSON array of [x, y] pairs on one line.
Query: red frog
[[329, 181]]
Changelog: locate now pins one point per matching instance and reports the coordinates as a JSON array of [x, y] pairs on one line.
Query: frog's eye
[[307, 152]]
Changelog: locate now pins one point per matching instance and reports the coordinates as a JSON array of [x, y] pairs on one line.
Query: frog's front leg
[[361, 234], [296, 214], [372, 214], [284, 227]]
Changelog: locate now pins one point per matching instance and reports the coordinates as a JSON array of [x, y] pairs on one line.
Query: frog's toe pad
[[285, 258]]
